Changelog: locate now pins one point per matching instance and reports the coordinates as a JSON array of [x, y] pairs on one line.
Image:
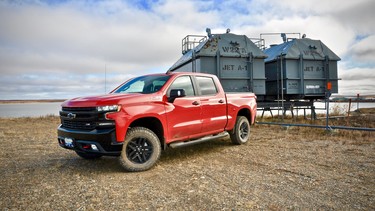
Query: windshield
[[143, 84]]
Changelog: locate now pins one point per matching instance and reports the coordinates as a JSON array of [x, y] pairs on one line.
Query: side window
[[206, 85], [183, 82]]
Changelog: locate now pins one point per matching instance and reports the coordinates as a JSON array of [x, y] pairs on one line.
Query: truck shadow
[[107, 164], [184, 153], [80, 165]]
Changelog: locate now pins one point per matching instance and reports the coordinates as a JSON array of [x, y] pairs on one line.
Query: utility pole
[[105, 78]]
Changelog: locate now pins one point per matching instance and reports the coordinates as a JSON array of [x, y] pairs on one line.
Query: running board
[[197, 141]]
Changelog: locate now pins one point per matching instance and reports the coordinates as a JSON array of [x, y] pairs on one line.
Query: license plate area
[[68, 142]]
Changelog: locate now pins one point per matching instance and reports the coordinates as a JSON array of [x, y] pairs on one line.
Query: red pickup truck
[[149, 113]]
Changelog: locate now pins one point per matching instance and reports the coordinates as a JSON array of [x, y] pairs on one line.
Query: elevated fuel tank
[[300, 69], [235, 59]]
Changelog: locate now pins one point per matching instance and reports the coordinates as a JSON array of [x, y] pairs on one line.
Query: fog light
[[86, 146], [94, 147]]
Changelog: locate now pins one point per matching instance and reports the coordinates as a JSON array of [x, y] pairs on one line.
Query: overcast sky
[[61, 49]]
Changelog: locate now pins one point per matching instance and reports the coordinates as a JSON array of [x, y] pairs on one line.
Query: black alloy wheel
[[139, 150], [241, 131], [244, 130]]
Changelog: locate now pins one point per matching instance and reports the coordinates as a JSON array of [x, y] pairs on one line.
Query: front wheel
[[241, 131], [141, 149]]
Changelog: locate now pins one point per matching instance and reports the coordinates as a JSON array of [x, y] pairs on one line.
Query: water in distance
[[29, 109]]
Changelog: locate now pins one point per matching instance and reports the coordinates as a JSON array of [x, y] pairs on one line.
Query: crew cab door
[[184, 113], [213, 103]]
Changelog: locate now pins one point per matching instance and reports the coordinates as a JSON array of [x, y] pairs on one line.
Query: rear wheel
[[88, 156], [241, 131], [141, 149]]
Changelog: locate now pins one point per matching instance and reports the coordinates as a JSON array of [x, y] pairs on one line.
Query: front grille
[[81, 118], [73, 124]]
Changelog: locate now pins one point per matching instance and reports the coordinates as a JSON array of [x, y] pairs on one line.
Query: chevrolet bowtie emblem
[[71, 116]]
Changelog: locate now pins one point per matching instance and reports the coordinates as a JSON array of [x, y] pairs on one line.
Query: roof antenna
[[105, 78]]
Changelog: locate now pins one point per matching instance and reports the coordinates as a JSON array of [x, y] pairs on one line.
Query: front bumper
[[99, 141]]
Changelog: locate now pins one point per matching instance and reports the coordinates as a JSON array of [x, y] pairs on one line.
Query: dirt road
[[279, 169]]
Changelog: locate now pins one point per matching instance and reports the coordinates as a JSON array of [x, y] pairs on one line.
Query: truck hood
[[101, 100]]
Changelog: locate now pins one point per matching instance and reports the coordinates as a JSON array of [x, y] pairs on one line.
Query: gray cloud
[[59, 86], [357, 74], [357, 80], [364, 50], [359, 15]]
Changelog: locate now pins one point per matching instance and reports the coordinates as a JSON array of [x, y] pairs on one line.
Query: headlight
[[108, 108]]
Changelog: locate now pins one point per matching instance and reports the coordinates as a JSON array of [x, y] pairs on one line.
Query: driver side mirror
[[176, 93]]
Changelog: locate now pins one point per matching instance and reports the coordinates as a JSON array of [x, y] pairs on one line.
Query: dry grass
[[364, 118], [279, 169]]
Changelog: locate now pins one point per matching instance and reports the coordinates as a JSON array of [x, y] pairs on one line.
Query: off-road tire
[[141, 149], [241, 132], [89, 156]]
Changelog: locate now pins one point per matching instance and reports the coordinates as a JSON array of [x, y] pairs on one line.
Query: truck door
[[214, 113], [184, 114]]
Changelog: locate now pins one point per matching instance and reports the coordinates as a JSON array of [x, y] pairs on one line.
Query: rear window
[[206, 85]]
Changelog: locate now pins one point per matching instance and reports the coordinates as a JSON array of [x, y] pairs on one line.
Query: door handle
[[221, 101], [195, 103]]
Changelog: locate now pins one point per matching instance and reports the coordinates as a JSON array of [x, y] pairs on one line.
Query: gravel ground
[[277, 170]]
